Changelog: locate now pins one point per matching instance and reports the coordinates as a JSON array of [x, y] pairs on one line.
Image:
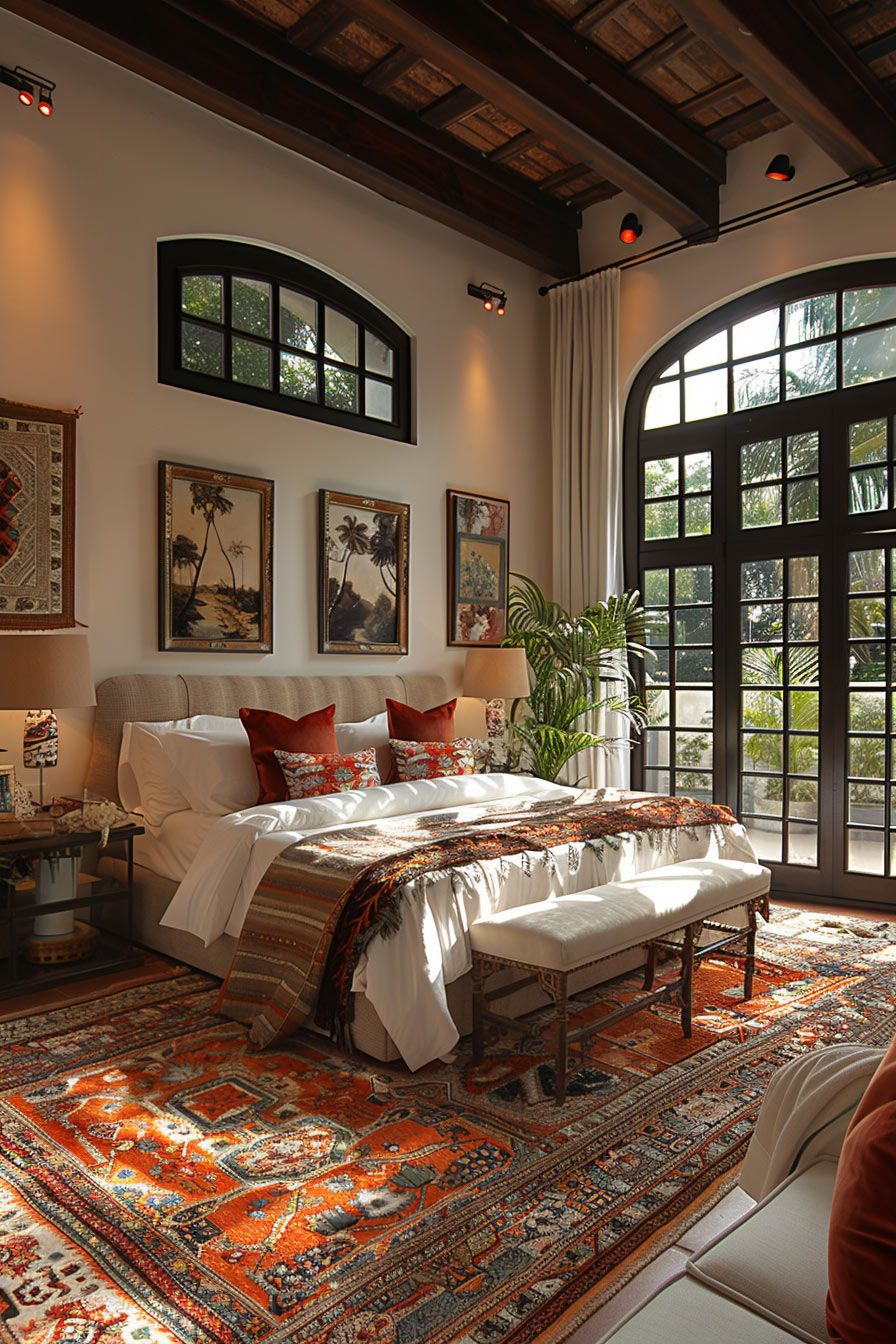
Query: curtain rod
[[824, 193]]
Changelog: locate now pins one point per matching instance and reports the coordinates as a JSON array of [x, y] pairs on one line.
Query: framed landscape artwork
[[478, 536], [216, 532], [364, 548], [37, 517]]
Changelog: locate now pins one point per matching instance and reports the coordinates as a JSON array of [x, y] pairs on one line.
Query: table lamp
[[495, 675], [47, 670], [44, 670]]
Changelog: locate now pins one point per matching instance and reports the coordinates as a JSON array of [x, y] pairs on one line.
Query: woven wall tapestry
[[37, 517]]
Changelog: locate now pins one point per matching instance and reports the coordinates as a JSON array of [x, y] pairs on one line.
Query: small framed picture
[[216, 548], [364, 550], [7, 793], [478, 538]]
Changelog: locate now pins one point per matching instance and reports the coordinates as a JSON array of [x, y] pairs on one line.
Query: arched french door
[[760, 492]]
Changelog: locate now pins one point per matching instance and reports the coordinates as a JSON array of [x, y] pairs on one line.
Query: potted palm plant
[[579, 666]]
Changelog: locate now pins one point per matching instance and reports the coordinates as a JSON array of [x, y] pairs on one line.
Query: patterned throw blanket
[[323, 899]]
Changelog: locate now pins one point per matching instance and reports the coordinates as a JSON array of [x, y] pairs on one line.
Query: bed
[[410, 994]]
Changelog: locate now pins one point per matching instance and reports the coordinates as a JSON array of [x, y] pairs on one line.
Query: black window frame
[[192, 256], [833, 535]]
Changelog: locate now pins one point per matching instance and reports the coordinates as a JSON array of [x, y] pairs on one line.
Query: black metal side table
[[20, 906]]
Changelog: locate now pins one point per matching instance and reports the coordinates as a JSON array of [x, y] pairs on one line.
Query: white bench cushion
[[789, 1229], [568, 931], [685, 1312]]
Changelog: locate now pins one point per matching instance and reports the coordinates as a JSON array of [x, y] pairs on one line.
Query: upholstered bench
[[550, 939]]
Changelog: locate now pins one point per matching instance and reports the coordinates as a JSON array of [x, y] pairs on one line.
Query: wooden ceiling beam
[[517, 144], [525, 82], [710, 97], [390, 69], [454, 106], [593, 15], [315, 28], [562, 176], [211, 55], [538, 21], [601, 191], [675, 43], [794, 56], [742, 119]]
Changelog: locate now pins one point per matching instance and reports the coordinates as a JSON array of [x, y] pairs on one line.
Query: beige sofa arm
[[805, 1113]]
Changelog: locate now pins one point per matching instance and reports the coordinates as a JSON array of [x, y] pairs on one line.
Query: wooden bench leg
[[555, 984], [478, 1005], [750, 962], [650, 967], [687, 977]]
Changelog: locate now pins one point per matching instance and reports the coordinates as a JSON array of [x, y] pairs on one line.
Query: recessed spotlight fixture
[[27, 85], [493, 299], [631, 228], [780, 169]]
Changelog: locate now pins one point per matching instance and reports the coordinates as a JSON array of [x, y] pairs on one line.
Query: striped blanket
[[323, 899]]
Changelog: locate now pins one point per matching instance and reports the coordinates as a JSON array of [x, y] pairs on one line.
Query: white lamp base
[[55, 879]]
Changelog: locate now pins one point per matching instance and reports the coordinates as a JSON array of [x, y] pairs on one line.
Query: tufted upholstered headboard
[[154, 699]]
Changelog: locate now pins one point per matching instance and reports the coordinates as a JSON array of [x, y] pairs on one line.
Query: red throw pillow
[[428, 725], [861, 1302], [432, 760], [269, 732]]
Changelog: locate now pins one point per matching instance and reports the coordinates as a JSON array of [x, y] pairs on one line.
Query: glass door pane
[[778, 717], [870, 746]]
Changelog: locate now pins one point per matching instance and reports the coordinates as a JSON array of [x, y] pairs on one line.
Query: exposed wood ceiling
[[506, 118]]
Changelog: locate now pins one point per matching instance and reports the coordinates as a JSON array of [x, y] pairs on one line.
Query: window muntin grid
[[678, 741], [254, 325], [870, 739], [841, 338]]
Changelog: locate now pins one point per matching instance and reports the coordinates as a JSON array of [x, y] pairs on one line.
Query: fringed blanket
[[323, 899]]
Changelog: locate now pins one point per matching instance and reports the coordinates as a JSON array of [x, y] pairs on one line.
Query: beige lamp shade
[[51, 671], [496, 674]]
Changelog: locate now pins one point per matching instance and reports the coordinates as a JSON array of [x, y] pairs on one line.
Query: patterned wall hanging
[[37, 517]]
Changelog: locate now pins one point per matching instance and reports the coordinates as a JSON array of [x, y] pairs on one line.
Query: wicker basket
[[75, 946]]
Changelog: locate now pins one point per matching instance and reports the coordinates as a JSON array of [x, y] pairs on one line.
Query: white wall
[[83, 198], [660, 297]]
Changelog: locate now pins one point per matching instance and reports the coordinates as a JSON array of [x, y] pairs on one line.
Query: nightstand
[[99, 950]]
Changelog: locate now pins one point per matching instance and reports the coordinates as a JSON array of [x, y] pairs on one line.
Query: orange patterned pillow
[[432, 760], [308, 774]]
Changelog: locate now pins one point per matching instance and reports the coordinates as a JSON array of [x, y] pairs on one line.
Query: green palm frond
[[579, 666]]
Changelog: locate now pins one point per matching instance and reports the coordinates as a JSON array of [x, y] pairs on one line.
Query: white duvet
[[404, 976]]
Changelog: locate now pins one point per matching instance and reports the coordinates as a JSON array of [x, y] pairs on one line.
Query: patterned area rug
[[161, 1181]]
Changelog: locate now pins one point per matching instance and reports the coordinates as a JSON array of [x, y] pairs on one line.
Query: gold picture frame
[[364, 549], [216, 561]]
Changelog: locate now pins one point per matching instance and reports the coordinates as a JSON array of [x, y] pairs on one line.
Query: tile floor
[[731, 1207]]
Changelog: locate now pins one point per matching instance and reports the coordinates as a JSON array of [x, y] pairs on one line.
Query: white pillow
[[147, 779], [373, 732], [214, 768], [159, 791]]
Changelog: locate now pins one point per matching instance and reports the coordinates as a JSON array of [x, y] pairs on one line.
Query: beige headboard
[[155, 699]]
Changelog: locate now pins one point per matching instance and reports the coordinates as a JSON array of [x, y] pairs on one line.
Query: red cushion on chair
[[861, 1302], [269, 732], [415, 725]]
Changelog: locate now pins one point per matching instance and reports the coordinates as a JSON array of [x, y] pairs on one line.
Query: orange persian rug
[[162, 1181]]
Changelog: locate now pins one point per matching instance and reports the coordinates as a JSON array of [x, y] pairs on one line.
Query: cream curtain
[[587, 462]]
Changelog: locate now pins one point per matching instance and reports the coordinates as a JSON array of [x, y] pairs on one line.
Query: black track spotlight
[[631, 228], [780, 169], [27, 86], [492, 298]]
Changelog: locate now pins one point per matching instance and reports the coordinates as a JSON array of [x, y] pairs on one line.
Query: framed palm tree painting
[[363, 601], [216, 535]]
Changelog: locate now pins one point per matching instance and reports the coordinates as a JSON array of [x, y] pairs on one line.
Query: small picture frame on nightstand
[[7, 793]]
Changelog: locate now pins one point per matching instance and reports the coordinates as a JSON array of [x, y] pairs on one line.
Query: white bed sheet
[[404, 976], [170, 849]]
